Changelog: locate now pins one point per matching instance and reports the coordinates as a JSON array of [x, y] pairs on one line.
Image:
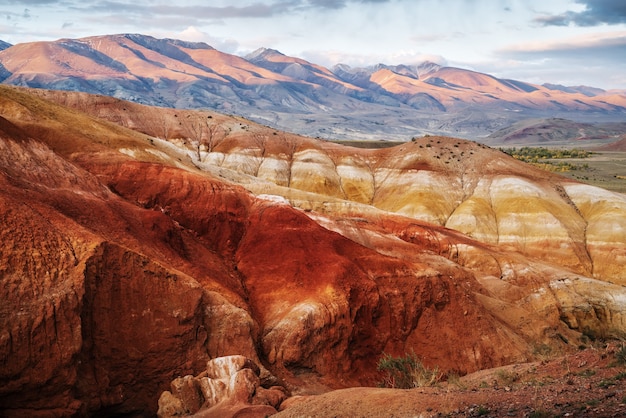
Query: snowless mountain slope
[[383, 102]]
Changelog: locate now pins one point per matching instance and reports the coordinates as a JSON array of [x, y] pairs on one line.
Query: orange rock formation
[[128, 260]]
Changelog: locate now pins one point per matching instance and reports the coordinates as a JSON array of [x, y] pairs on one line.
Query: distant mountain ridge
[[556, 132], [394, 102]]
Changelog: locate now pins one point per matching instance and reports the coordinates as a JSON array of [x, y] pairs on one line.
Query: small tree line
[[534, 154], [541, 157]]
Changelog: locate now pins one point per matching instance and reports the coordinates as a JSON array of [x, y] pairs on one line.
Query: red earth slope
[[126, 263]]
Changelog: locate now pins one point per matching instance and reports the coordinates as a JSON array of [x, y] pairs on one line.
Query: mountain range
[[389, 102]]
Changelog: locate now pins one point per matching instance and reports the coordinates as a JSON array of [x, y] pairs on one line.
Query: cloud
[[328, 4], [599, 45], [30, 2], [596, 12], [256, 9], [437, 37], [340, 4], [594, 56], [196, 35]]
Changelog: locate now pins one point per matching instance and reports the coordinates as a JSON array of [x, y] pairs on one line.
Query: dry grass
[[407, 372]]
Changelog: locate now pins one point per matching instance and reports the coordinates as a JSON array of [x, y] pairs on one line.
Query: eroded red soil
[[589, 383]]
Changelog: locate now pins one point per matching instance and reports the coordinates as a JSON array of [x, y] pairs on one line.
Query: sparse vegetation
[[482, 411], [506, 377], [407, 372], [540, 413], [586, 373], [453, 378], [201, 134], [620, 355], [533, 154], [612, 381], [543, 351], [540, 157]]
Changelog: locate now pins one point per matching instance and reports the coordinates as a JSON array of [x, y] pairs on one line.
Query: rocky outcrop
[[94, 316], [229, 387]]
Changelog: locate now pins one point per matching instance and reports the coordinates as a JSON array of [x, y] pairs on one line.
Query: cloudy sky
[[570, 42]]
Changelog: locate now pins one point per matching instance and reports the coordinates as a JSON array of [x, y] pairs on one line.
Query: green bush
[[620, 356], [407, 372], [482, 411]]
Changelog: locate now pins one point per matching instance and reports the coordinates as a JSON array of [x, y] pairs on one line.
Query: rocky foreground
[[133, 251], [588, 383]]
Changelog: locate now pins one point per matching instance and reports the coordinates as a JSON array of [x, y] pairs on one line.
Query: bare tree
[[260, 140], [164, 125], [291, 146], [372, 164], [194, 127], [202, 134], [215, 133]]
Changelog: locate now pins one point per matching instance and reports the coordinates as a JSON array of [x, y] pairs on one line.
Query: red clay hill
[[138, 243]]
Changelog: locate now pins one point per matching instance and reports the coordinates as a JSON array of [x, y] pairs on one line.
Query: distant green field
[[604, 169]]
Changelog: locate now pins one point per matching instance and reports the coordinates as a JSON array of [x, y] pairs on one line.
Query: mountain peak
[[4, 45], [147, 41], [263, 54], [150, 41], [586, 90], [428, 67], [413, 71]]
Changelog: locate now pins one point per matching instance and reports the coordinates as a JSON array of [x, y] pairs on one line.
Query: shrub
[[482, 410], [540, 413], [620, 355], [455, 379], [506, 377], [407, 372], [543, 351]]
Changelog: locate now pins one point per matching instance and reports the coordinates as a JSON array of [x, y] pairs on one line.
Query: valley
[[606, 169]]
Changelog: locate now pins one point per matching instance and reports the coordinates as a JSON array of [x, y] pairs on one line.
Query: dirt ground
[[588, 383]]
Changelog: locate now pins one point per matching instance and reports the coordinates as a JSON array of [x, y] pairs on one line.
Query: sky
[[568, 42]]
